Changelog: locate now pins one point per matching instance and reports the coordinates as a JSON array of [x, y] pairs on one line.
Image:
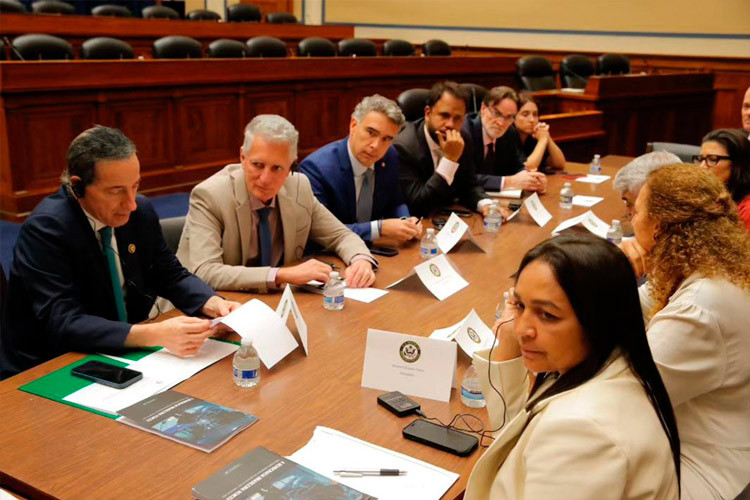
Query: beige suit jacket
[[217, 234], [601, 440]]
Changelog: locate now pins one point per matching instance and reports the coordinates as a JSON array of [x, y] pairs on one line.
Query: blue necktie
[[364, 203], [264, 230], [109, 253]]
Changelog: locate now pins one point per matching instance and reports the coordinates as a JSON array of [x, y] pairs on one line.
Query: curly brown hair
[[698, 231]]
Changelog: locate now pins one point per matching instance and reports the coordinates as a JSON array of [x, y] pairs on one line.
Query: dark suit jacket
[[424, 189], [60, 295], [332, 179], [509, 155]]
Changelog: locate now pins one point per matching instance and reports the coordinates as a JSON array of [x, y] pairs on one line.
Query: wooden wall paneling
[[208, 127], [6, 182], [319, 114]]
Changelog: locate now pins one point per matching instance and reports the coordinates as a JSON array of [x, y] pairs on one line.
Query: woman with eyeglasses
[[536, 144], [581, 409], [696, 253], [726, 153]]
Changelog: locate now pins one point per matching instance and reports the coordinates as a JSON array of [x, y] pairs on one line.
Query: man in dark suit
[[89, 262], [356, 178], [436, 156], [498, 155]]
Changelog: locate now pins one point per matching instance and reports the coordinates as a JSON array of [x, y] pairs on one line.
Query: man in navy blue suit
[[89, 263], [356, 178]]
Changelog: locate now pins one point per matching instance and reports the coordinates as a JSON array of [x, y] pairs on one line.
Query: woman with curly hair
[[691, 243]]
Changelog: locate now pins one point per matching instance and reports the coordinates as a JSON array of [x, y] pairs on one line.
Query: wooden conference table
[[51, 450]]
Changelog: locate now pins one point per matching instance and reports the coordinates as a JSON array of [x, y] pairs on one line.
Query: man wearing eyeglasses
[[498, 162]]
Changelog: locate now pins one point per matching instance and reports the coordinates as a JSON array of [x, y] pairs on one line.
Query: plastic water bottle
[[428, 247], [471, 390], [614, 235], [246, 365], [596, 165], [501, 306], [333, 292], [566, 196], [493, 219]]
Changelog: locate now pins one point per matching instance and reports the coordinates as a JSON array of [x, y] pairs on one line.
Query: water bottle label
[[566, 199], [469, 394], [429, 251], [245, 374], [339, 299]]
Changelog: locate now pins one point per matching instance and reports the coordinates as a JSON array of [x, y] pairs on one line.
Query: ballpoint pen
[[369, 472]]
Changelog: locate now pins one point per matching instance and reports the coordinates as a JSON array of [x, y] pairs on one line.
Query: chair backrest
[[35, 47], [159, 12], [536, 73], [412, 103], [12, 7], [171, 229], [436, 48], [360, 47], [266, 46], [242, 12], [111, 11], [398, 47], [226, 48], [612, 64], [52, 7], [202, 15], [2, 50], [281, 18], [315, 46], [103, 47], [575, 71], [177, 47], [684, 151], [475, 96]]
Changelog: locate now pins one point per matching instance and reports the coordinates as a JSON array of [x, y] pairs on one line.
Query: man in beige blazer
[[248, 224]]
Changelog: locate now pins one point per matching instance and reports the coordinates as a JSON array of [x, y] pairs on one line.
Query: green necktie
[[109, 252]]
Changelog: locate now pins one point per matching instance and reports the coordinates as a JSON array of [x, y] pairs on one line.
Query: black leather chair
[[159, 12], [36, 47], [536, 73], [436, 48], [412, 103], [398, 47], [612, 64], [315, 46], [11, 7], [359, 47], [52, 7], [177, 47], [281, 18], [475, 96], [111, 11], [202, 15], [242, 13], [171, 229], [575, 71], [106, 48], [266, 46], [226, 48]]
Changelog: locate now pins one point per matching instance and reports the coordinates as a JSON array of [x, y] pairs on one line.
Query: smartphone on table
[[107, 374]]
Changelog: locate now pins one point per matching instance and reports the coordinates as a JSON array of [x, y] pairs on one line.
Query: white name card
[[288, 305], [537, 211], [452, 233], [587, 220], [472, 334]]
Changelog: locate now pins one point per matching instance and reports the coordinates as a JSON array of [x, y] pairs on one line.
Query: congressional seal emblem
[[435, 270], [473, 335], [410, 351], [454, 228]]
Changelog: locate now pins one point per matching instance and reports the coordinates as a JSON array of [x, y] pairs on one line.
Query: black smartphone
[[438, 223], [384, 251], [442, 438], [106, 374]]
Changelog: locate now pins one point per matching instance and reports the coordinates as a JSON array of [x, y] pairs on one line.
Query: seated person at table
[[356, 178], [248, 224], [89, 262], [596, 422], [689, 239], [498, 160], [726, 153], [435, 156], [536, 145], [746, 113]]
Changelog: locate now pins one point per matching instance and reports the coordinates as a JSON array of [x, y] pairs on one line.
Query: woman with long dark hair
[[535, 142], [580, 407]]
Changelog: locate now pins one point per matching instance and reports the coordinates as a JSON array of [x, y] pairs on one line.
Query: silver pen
[[369, 472]]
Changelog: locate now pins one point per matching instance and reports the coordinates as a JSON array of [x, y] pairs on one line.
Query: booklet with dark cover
[[186, 419], [263, 475]]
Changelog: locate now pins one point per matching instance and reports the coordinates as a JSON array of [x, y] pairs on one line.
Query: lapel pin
[[131, 248], [382, 164]]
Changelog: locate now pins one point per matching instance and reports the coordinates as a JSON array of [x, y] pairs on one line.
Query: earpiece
[[78, 188]]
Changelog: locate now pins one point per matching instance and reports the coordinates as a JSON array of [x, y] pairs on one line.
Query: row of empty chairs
[[235, 13], [536, 72]]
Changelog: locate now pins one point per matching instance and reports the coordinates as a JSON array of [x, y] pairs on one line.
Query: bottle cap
[[333, 274], [567, 184], [596, 157], [246, 341], [615, 221], [431, 230]]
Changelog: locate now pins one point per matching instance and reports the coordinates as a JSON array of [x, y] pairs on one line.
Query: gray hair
[[382, 105], [96, 144], [273, 128], [632, 176]]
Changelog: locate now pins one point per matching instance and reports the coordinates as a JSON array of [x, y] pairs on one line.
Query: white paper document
[[506, 193], [330, 450], [439, 277], [593, 179], [586, 201], [417, 366], [472, 334], [537, 211], [287, 305], [452, 233], [587, 220], [365, 295]]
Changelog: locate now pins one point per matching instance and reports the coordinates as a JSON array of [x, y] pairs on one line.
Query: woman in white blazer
[[571, 386], [690, 241]]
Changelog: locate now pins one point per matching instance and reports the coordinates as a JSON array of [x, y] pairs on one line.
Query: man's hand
[[530, 181], [359, 274], [541, 132], [302, 273], [452, 144], [636, 255], [216, 307], [182, 335], [485, 209], [401, 229]]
